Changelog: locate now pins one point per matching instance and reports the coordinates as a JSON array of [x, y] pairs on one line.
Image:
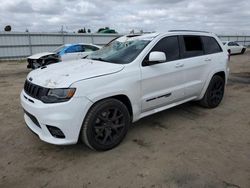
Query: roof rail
[[188, 31]]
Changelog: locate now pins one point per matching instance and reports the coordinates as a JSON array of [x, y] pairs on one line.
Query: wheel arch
[[220, 73], [120, 97]]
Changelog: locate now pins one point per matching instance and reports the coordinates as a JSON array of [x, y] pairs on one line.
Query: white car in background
[[234, 47], [63, 53]]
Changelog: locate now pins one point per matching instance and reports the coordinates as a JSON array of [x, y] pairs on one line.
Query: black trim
[[165, 95], [195, 31], [34, 90], [33, 118], [55, 131]]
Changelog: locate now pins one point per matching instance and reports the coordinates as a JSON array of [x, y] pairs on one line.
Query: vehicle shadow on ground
[[190, 110]]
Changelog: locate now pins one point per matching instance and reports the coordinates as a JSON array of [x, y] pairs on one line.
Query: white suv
[[96, 99]]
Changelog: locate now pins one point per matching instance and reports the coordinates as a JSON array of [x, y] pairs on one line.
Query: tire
[[105, 125], [214, 93], [243, 50]]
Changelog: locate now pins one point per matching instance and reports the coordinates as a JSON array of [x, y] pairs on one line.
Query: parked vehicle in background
[[63, 53], [96, 99], [234, 47]]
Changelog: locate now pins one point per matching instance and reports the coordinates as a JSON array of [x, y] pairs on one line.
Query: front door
[[163, 83]]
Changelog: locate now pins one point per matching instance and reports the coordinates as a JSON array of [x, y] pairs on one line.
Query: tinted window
[[74, 49], [89, 48], [168, 45], [236, 44], [231, 44], [210, 45], [192, 46]]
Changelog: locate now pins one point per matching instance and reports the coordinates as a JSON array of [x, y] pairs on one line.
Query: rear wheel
[[106, 124], [214, 93]]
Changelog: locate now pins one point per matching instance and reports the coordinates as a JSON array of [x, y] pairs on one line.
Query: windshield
[[120, 52], [59, 49]]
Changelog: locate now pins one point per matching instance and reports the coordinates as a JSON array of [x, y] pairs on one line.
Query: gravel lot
[[186, 146]]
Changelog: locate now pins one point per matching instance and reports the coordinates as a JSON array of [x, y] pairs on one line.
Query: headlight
[[58, 95]]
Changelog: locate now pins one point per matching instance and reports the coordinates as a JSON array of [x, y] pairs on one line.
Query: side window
[[231, 44], [236, 44], [74, 49], [168, 45], [191, 46], [89, 48], [210, 45]]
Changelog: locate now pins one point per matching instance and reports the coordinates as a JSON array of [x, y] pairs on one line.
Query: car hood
[[63, 74], [39, 55]]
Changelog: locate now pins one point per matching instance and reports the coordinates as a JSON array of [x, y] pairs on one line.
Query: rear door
[[163, 83], [195, 63], [199, 54]]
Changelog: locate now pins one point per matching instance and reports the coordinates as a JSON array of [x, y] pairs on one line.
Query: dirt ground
[[186, 146]]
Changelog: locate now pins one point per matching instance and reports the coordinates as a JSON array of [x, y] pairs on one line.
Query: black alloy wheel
[[214, 93], [105, 125]]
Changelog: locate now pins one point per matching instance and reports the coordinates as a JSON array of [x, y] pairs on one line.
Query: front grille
[[34, 90]]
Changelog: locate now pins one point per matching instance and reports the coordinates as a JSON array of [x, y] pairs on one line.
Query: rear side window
[[191, 46], [89, 48], [74, 49], [233, 44], [168, 45], [210, 45]]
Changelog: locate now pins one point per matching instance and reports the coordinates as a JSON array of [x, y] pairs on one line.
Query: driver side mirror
[[156, 57]]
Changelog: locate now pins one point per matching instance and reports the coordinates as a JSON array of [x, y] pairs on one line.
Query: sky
[[218, 16]]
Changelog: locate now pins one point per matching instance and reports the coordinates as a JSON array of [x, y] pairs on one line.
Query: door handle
[[179, 65], [208, 59]]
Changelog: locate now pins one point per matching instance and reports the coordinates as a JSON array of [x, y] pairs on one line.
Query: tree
[[106, 30], [7, 28], [80, 31], [99, 30], [84, 30], [89, 31]]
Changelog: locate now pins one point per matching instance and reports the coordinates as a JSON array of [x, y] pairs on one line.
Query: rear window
[[89, 48], [192, 46], [210, 45]]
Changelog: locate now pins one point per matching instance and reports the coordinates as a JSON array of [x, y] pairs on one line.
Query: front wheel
[[214, 93], [105, 125]]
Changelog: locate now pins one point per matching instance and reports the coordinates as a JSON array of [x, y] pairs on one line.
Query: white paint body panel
[[39, 55], [184, 79]]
